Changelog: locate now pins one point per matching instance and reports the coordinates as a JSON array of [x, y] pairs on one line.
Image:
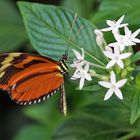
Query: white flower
[[109, 49], [99, 37], [132, 36], [114, 25], [79, 61], [82, 74], [122, 41], [116, 57], [114, 87]]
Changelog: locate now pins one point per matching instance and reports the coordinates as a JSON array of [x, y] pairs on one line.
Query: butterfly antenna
[[80, 28], [70, 35]]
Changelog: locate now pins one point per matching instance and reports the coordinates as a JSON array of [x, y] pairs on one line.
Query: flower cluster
[[115, 52], [82, 68]]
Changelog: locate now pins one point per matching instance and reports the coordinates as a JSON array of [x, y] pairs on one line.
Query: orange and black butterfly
[[30, 78]]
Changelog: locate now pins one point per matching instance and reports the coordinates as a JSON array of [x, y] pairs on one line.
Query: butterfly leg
[[63, 103]]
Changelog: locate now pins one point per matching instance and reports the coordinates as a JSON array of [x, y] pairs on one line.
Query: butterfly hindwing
[[36, 87], [29, 78]]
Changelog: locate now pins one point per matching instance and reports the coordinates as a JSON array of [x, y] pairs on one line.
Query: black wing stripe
[[29, 77]]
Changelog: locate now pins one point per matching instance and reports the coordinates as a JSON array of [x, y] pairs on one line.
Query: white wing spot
[[13, 86], [44, 97], [30, 103], [48, 96]]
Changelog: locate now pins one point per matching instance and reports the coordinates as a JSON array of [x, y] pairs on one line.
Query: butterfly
[[30, 78]]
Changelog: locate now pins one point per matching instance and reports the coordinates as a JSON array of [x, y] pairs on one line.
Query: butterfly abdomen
[[63, 66]]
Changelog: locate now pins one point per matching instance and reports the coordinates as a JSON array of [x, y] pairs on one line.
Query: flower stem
[[99, 76], [97, 66], [128, 136]]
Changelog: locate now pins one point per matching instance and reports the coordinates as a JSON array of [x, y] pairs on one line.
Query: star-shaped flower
[[122, 41], [116, 57], [82, 74], [132, 36], [114, 25], [79, 61], [113, 86]]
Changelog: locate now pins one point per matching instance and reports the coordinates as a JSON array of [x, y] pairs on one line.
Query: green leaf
[[10, 14], [97, 124], [135, 57], [78, 6], [12, 32], [137, 79], [101, 120], [113, 9], [11, 37], [79, 129], [93, 88], [49, 30], [43, 114], [35, 132], [135, 106]]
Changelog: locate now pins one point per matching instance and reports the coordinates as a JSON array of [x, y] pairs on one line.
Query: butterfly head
[[65, 57]]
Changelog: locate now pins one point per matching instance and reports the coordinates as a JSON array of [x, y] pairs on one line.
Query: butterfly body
[[30, 78]]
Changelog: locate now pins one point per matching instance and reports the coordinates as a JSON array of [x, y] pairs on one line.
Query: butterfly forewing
[[29, 78]]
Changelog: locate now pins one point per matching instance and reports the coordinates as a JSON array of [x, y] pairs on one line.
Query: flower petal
[[108, 54], [123, 25], [76, 75], [136, 40], [110, 64], [112, 77], [125, 55], [121, 83], [118, 37], [88, 77], [120, 63], [108, 94], [105, 84], [129, 43], [73, 78], [86, 68], [116, 50], [115, 44], [136, 33], [118, 93], [77, 54], [110, 22], [108, 49], [81, 84], [122, 47], [127, 31], [119, 21], [106, 29]]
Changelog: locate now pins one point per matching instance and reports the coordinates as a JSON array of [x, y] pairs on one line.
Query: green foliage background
[[89, 117]]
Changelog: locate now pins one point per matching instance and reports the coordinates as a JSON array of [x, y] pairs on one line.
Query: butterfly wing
[[29, 78]]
